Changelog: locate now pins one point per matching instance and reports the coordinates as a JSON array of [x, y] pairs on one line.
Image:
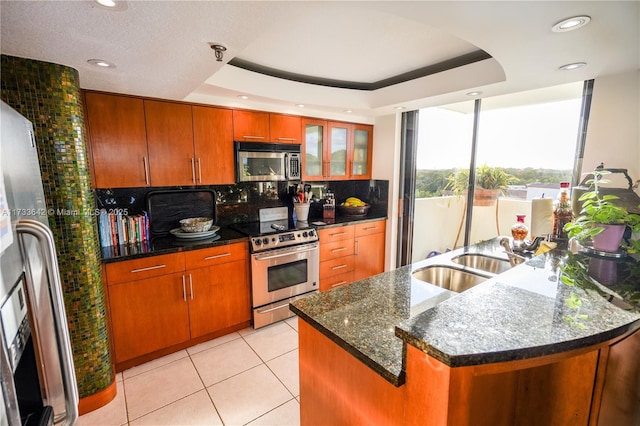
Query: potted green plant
[[490, 183], [601, 221]]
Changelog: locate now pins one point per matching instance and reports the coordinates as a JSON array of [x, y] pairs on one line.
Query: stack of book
[[118, 228]]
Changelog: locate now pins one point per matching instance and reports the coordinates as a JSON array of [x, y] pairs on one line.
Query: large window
[[524, 141]]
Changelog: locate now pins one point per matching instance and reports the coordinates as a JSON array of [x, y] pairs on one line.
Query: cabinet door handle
[[217, 256], [191, 286], [193, 170], [338, 284], [338, 249], [252, 137], [184, 290], [339, 267], [287, 139], [357, 248], [146, 170], [337, 234], [149, 268], [199, 170], [371, 228]]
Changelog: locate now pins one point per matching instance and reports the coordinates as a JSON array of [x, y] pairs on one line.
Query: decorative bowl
[[359, 211], [196, 224]]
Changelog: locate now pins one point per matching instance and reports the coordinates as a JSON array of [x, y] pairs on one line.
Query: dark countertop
[[169, 244], [519, 314]]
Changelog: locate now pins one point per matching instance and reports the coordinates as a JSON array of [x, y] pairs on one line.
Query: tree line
[[431, 183]]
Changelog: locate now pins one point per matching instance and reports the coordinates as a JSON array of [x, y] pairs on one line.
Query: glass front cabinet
[[336, 150]]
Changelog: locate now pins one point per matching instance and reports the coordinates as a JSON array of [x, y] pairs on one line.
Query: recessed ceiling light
[[101, 63], [111, 4], [300, 105], [477, 93], [400, 107], [245, 97], [572, 66], [348, 111], [571, 24]]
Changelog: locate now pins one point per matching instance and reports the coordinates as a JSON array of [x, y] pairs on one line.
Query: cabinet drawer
[[336, 234], [369, 228], [138, 269], [336, 281], [336, 249], [215, 255], [336, 266]]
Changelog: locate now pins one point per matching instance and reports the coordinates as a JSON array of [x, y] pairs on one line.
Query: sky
[[538, 136]]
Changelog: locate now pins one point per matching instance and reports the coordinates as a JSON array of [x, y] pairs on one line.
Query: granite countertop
[[521, 313], [169, 244]]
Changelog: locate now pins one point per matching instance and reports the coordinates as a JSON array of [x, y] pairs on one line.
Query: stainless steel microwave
[[263, 162]]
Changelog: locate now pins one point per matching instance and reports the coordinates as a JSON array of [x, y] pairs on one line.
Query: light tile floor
[[244, 378]]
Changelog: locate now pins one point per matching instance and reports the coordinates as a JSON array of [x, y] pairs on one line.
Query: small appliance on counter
[[285, 263]]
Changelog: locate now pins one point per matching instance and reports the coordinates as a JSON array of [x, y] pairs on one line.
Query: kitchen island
[[521, 347]]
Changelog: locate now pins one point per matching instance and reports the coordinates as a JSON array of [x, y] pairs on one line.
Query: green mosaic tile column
[[49, 95]]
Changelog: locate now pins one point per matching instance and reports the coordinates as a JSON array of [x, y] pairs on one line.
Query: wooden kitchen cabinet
[[369, 249], [361, 158], [118, 140], [350, 253], [148, 315], [285, 128], [170, 143], [251, 126], [168, 302], [213, 145], [219, 297], [335, 150]]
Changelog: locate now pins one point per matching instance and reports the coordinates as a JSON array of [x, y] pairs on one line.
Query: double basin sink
[[465, 271]]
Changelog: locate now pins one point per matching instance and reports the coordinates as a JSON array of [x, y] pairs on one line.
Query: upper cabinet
[[213, 145], [139, 142], [336, 150], [170, 143], [118, 140], [361, 152], [285, 128], [255, 126], [251, 126]]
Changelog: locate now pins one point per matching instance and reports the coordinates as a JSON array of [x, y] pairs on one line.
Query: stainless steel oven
[[279, 276], [285, 263]]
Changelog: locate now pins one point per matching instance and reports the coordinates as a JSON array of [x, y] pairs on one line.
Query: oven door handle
[[268, 256]]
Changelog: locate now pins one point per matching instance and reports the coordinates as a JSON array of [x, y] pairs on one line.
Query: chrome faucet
[[514, 259]]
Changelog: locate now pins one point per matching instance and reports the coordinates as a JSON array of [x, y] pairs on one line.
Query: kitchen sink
[[448, 277], [490, 264]]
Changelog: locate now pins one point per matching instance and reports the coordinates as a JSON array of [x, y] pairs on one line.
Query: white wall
[[437, 223], [613, 133], [386, 166]]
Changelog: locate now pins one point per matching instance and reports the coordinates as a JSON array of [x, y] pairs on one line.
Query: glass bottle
[[562, 212], [519, 231]]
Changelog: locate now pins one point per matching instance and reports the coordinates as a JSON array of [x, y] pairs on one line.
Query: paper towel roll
[[541, 217]]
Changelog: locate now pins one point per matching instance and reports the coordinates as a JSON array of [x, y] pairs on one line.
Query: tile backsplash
[[241, 202]]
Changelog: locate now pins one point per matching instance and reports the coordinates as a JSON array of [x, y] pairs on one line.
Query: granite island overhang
[[516, 316]]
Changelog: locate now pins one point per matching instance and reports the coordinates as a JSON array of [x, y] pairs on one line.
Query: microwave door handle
[[286, 166]]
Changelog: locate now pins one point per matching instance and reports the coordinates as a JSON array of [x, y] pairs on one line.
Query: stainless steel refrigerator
[[38, 384]]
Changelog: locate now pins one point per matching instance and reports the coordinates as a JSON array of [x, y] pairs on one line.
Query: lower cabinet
[[350, 253], [162, 301], [148, 315], [219, 297]]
